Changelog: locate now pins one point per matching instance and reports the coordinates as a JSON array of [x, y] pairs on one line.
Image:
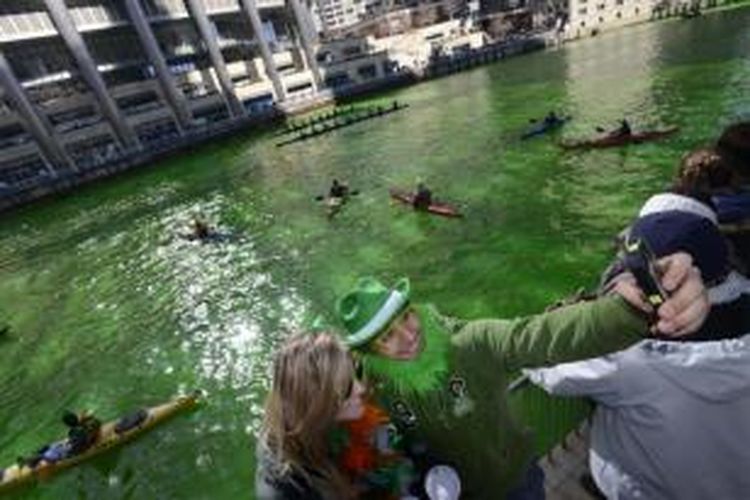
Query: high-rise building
[[337, 14], [85, 82]]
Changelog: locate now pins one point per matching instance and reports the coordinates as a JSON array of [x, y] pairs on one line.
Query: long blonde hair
[[312, 376]]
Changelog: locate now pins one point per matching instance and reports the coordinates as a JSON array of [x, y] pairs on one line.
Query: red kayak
[[611, 141], [437, 208]]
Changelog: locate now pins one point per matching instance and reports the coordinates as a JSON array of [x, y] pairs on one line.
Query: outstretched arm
[[590, 329]]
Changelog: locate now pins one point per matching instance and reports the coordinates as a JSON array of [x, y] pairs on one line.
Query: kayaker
[[201, 229], [321, 438], [440, 378], [422, 197], [551, 119], [338, 190], [83, 430], [624, 130]]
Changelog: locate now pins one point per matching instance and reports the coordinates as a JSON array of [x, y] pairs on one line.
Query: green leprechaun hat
[[368, 309]]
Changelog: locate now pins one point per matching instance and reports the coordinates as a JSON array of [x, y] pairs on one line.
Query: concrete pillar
[[302, 24], [208, 33], [36, 122], [146, 35], [58, 11], [379, 70], [251, 10]]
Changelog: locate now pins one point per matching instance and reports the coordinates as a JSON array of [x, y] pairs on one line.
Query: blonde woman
[[320, 438]]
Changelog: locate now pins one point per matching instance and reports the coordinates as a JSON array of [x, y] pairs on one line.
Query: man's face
[[403, 339]]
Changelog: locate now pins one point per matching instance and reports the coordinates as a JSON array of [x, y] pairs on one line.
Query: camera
[[641, 262]]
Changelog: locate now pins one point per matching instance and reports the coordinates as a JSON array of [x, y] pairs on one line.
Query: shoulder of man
[[451, 323]]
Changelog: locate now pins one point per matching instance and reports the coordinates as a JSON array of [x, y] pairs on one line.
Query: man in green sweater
[[441, 378]]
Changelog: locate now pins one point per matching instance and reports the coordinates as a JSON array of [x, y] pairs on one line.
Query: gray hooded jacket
[[673, 420]]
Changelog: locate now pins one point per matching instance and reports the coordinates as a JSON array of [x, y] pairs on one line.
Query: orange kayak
[[611, 141], [437, 208]]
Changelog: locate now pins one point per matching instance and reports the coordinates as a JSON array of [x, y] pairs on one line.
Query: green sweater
[[464, 421]]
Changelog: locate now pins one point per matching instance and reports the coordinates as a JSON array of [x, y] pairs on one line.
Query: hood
[[716, 371]]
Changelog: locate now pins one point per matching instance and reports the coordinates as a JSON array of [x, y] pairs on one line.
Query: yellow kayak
[[112, 434]]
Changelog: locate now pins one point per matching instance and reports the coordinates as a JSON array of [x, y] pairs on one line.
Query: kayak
[[614, 141], [437, 208], [112, 434], [543, 127]]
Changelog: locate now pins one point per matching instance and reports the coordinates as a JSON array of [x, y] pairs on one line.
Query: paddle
[[353, 192]]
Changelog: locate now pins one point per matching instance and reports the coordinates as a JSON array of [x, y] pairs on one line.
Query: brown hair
[[312, 376], [703, 172]]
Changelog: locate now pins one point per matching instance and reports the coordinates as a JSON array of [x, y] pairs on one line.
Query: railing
[[142, 108], [15, 141], [78, 124]]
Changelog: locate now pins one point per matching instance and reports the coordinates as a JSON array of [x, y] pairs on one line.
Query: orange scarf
[[360, 455]]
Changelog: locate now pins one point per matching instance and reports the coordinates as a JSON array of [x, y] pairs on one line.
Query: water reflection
[[229, 310]]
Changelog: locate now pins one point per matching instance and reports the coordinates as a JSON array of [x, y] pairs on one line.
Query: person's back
[[672, 418]]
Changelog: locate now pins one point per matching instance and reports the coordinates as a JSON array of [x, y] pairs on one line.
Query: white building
[[331, 15], [589, 17]]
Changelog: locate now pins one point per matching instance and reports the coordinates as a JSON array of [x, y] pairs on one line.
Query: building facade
[[84, 83], [590, 17]]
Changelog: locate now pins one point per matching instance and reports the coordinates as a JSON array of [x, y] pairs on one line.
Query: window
[[367, 72], [337, 80], [300, 88], [351, 51]]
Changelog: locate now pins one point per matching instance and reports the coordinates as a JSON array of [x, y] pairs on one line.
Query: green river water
[[111, 310]]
